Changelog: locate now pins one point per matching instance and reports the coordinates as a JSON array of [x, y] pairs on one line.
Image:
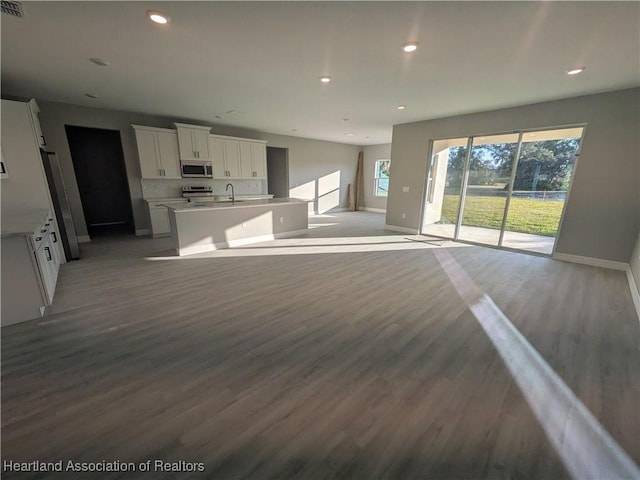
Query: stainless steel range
[[197, 191]]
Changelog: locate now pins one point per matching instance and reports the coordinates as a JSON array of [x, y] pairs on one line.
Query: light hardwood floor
[[344, 353]]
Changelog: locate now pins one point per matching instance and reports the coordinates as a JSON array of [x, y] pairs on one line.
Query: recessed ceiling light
[[157, 17], [409, 47], [325, 79], [576, 71], [401, 107], [90, 95], [99, 61], [350, 134]]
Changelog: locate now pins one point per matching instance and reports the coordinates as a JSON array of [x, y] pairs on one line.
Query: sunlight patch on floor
[[586, 449]]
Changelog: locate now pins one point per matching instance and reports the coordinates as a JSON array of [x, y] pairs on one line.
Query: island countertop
[[213, 205]]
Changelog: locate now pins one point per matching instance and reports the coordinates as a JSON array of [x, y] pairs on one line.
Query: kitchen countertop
[[215, 205], [23, 222]]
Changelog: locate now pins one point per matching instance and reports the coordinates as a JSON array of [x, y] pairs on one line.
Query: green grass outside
[[526, 215]]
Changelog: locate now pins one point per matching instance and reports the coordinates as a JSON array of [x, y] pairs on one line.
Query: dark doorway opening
[[278, 171], [98, 162]]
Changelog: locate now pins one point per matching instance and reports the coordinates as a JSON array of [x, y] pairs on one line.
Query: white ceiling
[[264, 59]]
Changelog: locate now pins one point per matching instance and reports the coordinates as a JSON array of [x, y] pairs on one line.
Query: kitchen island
[[203, 226]]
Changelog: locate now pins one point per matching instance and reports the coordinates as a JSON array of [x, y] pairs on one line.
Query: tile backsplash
[[173, 188]]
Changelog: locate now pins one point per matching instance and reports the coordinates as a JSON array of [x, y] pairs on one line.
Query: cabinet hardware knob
[[38, 239]]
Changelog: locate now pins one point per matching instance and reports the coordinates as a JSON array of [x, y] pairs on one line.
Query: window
[[381, 184]]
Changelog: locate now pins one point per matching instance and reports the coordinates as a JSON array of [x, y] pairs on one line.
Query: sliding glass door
[[485, 193], [540, 188], [503, 190]]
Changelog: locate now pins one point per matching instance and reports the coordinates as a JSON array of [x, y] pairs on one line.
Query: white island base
[[203, 227]]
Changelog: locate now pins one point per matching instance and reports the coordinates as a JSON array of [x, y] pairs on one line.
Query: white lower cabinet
[[30, 266], [159, 216]]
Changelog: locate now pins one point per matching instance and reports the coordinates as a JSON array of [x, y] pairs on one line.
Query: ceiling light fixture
[[325, 79], [409, 47], [401, 107], [576, 71], [157, 17], [99, 61]]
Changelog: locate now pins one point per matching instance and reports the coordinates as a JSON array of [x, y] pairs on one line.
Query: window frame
[[377, 177]]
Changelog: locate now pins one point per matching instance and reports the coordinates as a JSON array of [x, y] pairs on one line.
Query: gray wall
[[371, 154], [311, 162], [602, 216]]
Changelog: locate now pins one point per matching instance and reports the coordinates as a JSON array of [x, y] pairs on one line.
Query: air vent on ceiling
[[12, 8]]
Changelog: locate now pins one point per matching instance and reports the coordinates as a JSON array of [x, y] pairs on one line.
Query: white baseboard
[[635, 292], [83, 238], [333, 210], [377, 210], [413, 231], [141, 232], [594, 262]]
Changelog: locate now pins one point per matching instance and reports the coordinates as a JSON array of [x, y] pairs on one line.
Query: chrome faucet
[[233, 195]]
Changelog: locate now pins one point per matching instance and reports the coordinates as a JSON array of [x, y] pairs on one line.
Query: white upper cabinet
[[216, 151], [158, 152], [35, 123], [193, 142], [253, 159], [225, 157], [232, 157], [169, 156]]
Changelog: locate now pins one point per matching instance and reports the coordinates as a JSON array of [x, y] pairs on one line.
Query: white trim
[[211, 247], [635, 291], [141, 232], [333, 210], [402, 229], [594, 262], [377, 210], [83, 238]]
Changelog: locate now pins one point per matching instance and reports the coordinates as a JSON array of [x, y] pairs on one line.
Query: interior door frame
[[465, 176]]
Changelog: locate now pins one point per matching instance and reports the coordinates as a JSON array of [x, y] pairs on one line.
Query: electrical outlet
[[244, 224], [405, 189], [404, 215], [281, 219]]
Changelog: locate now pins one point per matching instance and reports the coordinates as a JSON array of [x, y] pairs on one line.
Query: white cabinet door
[[148, 154], [169, 156], [216, 151], [160, 225], [185, 144], [35, 123], [259, 160], [193, 141], [201, 143], [246, 160], [232, 158]]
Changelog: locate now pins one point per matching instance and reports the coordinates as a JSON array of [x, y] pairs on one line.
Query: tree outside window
[[381, 184]]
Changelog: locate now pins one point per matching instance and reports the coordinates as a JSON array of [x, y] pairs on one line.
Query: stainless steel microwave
[[196, 169]]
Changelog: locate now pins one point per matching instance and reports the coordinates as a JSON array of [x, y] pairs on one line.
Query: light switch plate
[[405, 189]]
